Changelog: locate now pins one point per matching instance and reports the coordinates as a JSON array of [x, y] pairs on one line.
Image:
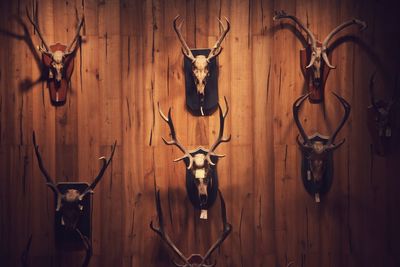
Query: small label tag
[[204, 215], [200, 173], [308, 175], [317, 199]]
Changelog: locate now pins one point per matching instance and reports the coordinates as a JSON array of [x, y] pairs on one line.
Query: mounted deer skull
[[194, 260], [381, 120], [317, 166], [315, 71], [70, 204], [58, 59], [200, 63], [201, 174]]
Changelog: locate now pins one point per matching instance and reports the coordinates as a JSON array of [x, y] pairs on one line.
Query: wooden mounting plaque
[[58, 91]]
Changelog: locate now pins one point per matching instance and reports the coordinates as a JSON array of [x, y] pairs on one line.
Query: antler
[[36, 27], [216, 50], [282, 15], [296, 108], [362, 25], [220, 138], [91, 187], [69, 51], [164, 236], [347, 109], [185, 48], [174, 140], [88, 246], [49, 181], [227, 228], [25, 253]]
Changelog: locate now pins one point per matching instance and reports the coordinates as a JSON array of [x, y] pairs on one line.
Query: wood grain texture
[[130, 60]]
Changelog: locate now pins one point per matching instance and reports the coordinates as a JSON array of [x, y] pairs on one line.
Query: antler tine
[[36, 27], [78, 30], [296, 108], [347, 109], [174, 140], [216, 50], [99, 176], [164, 236], [345, 24], [227, 228], [24, 256], [185, 48], [282, 15], [49, 181], [220, 138]]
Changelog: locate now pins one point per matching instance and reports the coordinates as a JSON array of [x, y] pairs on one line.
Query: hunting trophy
[[381, 121], [201, 72], [194, 260], [317, 152], [58, 60], [315, 59], [201, 173], [73, 207]]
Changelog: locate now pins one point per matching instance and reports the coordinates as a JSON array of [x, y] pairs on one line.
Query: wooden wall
[[129, 60]]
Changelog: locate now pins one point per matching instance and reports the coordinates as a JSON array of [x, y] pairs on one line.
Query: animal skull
[[200, 73], [200, 63], [382, 110]]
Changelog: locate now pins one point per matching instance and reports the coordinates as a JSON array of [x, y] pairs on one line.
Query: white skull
[[200, 72], [317, 53], [58, 64]]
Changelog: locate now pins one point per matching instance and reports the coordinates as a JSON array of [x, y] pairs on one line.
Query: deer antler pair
[[50, 183], [331, 141], [227, 228], [216, 49], [45, 48], [313, 41], [187, 153]]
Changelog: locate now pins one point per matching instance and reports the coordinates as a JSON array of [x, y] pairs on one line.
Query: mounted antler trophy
[[58, 60], [73, 208], [381, 121], [317, 150], [201, 173], [315, 61], [201, 73], [194, 260]]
